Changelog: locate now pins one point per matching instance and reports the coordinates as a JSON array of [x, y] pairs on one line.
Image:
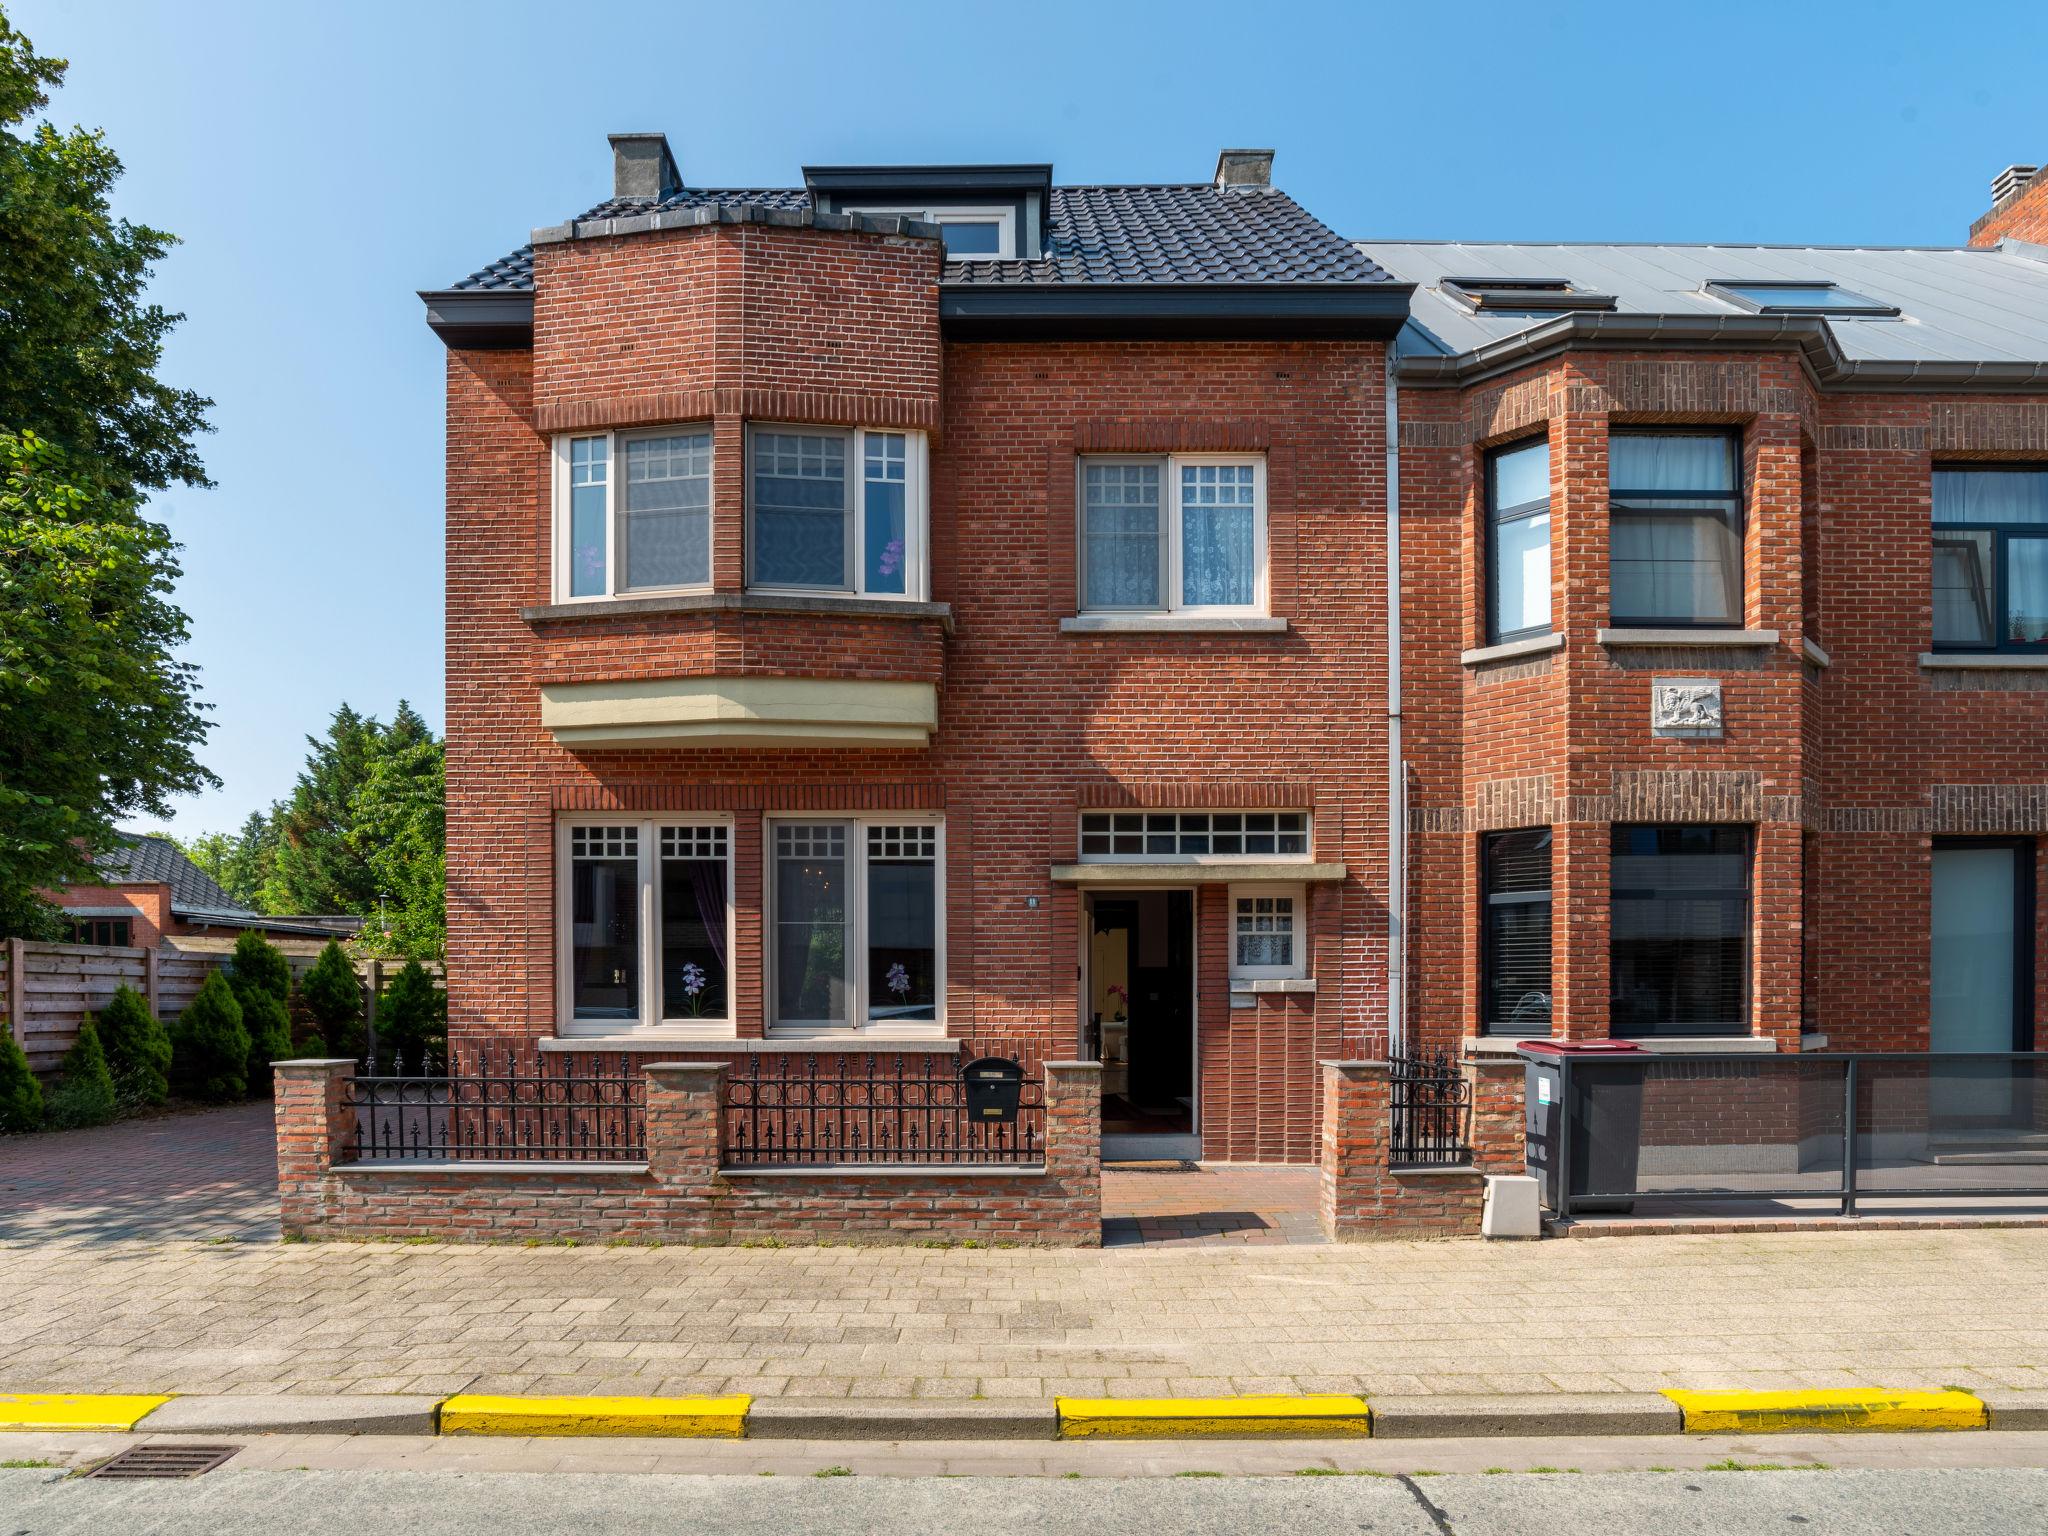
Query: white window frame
[[1171, 551], [857, 1021], [1004, 217], [649, 1025], [1306, 856], [1298, 967], [562, 530], [916, 512]]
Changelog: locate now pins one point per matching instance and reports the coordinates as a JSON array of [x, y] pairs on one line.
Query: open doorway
[[1140, 1020]]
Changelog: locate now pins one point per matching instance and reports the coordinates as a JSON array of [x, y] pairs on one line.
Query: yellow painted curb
[[722, 1418], [1838, 1409], [74, 1410], [1239, 1417]]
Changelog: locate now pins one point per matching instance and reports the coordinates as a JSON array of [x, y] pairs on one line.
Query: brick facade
[[2022, 216]]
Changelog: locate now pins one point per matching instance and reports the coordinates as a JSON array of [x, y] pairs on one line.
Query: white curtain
[[1218, 562], [1674, 566], [1638, 462], [1121, 523], [1991, 496]]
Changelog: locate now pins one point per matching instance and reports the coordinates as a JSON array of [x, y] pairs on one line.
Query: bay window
[[837, 510], [632, 512], [1173, 533], [857, 909], [1991, 559], [646, 932], [1518, 542], [1674, 529]]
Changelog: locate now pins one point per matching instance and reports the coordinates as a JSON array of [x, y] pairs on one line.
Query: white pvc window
[[1268, 939], [644, 916], [969, 234], [1182, 533], [832, 510], [632, 512], [857, 930], [1152, 837]]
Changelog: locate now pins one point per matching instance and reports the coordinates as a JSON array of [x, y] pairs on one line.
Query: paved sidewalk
[[1966, 1309], [187, 1174]]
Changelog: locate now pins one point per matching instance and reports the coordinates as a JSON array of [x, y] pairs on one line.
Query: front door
[[1980, 972], [1140, 1020]]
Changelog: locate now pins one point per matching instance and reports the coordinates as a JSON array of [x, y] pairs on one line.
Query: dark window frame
[[1491, 899], [119, 932], [2026, 882], [2001, 567], [1727, 289], [1498, 517], [1729, 506], [1523, 295], [1741, 1026]]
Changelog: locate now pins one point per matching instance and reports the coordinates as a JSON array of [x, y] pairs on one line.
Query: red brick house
[[935, 605], [151, 896]]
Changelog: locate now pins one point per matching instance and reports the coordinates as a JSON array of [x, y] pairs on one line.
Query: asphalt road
[[1920, 1502]]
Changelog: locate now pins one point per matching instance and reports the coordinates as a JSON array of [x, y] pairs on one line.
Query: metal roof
[[1193, 235], [1979, 314]]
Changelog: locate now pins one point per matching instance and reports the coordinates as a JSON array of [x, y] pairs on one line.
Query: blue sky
[[323, 162]]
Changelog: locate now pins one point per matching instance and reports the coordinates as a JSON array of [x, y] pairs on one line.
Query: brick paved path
[[1904, 1309], [195, 1174], [1178, 1206]]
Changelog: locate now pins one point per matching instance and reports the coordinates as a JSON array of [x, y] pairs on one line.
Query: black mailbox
[[995, 1084]]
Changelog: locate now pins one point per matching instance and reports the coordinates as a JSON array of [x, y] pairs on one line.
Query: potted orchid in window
[[898, 981], [694, 983], [1121, 996]]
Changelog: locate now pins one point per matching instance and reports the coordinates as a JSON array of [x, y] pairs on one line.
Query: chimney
[[2011, 182], [642, 166], [1244, 170]]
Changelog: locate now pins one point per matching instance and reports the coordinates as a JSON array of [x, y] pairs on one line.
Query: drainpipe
[[1397, 768]]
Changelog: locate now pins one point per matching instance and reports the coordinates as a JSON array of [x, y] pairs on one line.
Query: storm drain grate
[[165, 1461]]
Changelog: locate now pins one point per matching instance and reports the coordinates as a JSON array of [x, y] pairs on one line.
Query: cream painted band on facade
[[742, 711]]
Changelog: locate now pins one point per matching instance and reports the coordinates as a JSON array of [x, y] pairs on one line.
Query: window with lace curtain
[[632, 512], [1173, 533], [1267, 934]]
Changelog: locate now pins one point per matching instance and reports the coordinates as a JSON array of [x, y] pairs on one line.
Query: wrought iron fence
[[505, 1107], [864, 1108], [1429, 1108]]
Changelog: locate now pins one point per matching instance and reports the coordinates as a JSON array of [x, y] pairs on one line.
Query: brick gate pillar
[[685, 1129], [313, 1127]]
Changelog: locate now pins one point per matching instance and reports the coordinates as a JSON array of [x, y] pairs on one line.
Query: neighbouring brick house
[[151, 895], [934, 605]]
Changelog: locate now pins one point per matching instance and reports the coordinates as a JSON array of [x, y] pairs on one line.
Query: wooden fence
[[46, 989]]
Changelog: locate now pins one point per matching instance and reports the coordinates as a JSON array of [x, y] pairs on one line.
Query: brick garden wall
[[685, 1193], [1361, 1196]]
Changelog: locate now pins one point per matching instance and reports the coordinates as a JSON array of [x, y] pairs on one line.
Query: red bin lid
[[1579, 1048]]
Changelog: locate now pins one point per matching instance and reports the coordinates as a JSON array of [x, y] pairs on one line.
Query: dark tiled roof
[[1171, 234], [158, 861]]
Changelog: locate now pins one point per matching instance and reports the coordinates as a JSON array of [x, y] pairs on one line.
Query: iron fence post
[[1849, 1137]]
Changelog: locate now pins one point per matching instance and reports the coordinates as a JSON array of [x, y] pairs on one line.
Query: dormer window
[[1524, 295], [1798, 298], [969, 234]]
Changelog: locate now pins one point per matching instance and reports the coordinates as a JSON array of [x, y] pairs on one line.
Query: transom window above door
[[1176, 533], [1991, 559], [1156, 836], [632, 512], [833, 510]]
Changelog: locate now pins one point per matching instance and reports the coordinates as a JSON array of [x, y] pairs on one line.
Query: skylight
[[1524, 295], [1797, 298]]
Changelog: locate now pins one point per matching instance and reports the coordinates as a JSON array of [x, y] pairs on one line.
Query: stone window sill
[[728, 1046], [1812, 651], [827, 605], [1246, 993], [1986, 661], [1721, 638], [1171, 624], [1507, 650]]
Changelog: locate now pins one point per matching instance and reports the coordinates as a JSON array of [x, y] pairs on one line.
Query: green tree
[[334, 996], [85, 1093], [138, 1048], [401, 828], [98, 721], [261, 978], [209, 1046], [412, 1021], [321, 865], [21, 1096]]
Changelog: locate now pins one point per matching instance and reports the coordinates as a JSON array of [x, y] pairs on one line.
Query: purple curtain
[[708, 878]]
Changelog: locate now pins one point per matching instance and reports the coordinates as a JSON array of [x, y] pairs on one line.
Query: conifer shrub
[[334, 998], [262, 981], [210, 1048], [138, 1049], [84, 1094], [21, 1096], [412, 1022]]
